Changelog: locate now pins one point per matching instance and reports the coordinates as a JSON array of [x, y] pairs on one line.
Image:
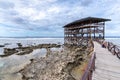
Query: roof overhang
[[87, 20]]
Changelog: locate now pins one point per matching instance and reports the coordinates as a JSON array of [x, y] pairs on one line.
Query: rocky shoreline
[[57, 65], [68, 63], [26, 50]]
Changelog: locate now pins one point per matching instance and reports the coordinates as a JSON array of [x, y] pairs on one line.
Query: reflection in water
[[16, 76], [9, 66], [1, 51]]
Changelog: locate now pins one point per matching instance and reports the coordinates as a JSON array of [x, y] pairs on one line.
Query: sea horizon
[[48, 37]]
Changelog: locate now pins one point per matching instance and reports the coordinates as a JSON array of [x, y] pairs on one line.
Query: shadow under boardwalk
[[107, 65]]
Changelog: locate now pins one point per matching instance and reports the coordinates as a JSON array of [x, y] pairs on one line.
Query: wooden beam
[[103, 30], [94, 32]]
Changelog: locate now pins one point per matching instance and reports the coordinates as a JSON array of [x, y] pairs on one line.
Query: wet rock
[[4, 55], [19, 45], [20, 50], [7, 43], [8, 51], [26, 51], [2, 45], [55, 66]]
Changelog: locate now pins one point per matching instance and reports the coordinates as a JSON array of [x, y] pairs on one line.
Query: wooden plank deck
[[107, 65]]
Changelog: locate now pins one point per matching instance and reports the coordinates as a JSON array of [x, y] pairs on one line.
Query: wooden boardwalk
[[107, 65]]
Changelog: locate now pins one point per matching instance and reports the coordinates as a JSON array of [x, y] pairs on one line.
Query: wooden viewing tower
[[81, 31], [102, 65]]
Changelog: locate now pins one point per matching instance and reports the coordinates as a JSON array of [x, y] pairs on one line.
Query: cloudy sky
[[47, 17]]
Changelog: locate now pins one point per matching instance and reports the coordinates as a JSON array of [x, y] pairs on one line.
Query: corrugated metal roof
[[87, 20]]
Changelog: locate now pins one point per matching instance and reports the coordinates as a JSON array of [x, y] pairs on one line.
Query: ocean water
[[115, 41], [11, 42]]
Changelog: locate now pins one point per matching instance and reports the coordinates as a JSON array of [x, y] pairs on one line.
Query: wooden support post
[[64, 36], [94, 32], [103, 30]]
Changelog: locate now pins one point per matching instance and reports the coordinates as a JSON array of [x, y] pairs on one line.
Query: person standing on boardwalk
[[104, 44]]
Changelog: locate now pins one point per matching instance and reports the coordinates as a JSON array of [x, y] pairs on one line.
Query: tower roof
[[87, 20]]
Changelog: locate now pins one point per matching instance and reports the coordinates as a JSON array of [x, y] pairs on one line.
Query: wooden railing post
[[114, 47], [91, 67], [94, 62], [90, 75]]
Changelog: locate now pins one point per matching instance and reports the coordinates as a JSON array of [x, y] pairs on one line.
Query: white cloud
[[26, 11], [39, 16], [53, 14], [54, 9]]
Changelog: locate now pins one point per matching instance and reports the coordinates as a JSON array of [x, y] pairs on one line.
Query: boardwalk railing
[[90, 68], [114, 49]]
